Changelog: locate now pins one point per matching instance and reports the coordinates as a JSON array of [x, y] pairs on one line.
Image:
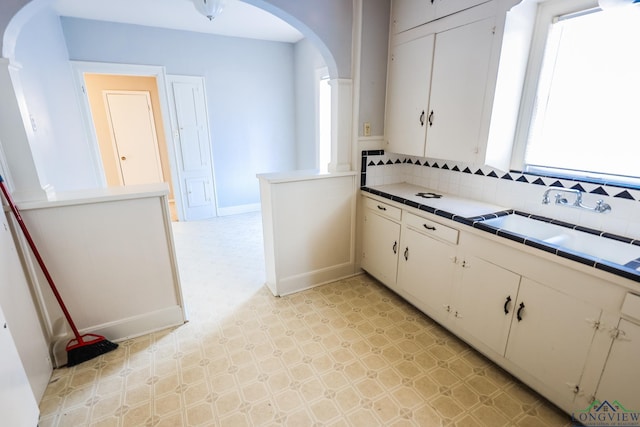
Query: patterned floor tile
[[350, 353]]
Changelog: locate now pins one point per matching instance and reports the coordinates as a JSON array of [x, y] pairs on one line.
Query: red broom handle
[[32, 245]]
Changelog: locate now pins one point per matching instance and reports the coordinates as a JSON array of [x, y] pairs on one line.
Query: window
[[324, 121], [585, 102]]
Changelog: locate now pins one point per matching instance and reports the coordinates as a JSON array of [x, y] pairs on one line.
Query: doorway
[[119, 92], [133, 137]]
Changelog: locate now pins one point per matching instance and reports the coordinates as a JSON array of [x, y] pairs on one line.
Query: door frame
[[79, 68], [174, 135]]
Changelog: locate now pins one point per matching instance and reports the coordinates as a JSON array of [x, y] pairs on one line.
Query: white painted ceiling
[[238, 19]]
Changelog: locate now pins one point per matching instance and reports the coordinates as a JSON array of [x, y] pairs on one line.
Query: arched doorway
[[341, 90]]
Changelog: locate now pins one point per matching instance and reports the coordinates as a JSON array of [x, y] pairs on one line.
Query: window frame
[[545, 14]]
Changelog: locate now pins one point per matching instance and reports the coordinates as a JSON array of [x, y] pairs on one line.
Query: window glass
[[324, 123], [586, 118]]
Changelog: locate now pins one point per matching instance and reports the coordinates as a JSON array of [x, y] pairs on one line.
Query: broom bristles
[[79, 351]]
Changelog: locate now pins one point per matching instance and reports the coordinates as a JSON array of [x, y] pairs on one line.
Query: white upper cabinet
[[447, 95], [407, 14], [435, 92], [408, 96], [458, 82]]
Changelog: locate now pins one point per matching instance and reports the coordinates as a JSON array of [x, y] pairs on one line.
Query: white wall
[[59, 144], [327, 23], [307, 62], [250, 92], [373, 69]]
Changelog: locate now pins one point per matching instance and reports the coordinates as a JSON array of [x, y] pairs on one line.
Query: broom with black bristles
[[82, 347]]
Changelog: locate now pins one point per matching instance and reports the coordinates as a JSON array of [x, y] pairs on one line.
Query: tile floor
[[350, 353]]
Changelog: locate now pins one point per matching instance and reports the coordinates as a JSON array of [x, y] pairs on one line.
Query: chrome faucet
[[561, 200], [600, 206]]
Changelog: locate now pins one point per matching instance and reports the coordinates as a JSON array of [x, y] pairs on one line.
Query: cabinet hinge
[[618, 334]]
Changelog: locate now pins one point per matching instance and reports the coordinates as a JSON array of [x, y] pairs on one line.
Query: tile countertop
[[472, 212], [448, 206]]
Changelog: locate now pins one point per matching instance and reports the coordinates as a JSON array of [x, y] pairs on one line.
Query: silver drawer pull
[[382, 208], [429, 227]]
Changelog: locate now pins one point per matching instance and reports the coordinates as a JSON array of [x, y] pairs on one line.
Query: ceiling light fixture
[[210, 8]]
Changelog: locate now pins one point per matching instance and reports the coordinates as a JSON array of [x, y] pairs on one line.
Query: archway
[[341, 90]]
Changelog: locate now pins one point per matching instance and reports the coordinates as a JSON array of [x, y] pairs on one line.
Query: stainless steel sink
[[573, 240]]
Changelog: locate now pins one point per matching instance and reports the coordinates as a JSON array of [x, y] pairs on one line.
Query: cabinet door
[[485, 302], [458, 83], [408, 85], [449, 7], [18, 406], [406, 14], [550, 336], [621, 377], [426, 271], [380, 247]]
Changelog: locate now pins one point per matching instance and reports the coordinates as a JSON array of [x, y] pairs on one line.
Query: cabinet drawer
[[432, 228], [383, 209]]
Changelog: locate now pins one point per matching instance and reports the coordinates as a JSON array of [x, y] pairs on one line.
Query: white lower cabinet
[[550, 337], [425, 272], [18, 406], [381, 241], [485, 302], [620, 379], [548, 331]]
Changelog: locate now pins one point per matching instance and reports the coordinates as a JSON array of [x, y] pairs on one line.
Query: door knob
[[123, 158]]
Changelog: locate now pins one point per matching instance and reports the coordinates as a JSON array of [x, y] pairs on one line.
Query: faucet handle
[[602, 207]]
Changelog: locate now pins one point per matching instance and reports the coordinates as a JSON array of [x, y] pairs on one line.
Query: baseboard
[[301, 282], [240, 209], [124, 329]]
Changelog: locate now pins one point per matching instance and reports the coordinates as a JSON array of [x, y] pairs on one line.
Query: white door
[[192, 144], [133, 134]]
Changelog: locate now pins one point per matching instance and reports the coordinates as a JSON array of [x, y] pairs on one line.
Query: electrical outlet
[[367, 129]]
